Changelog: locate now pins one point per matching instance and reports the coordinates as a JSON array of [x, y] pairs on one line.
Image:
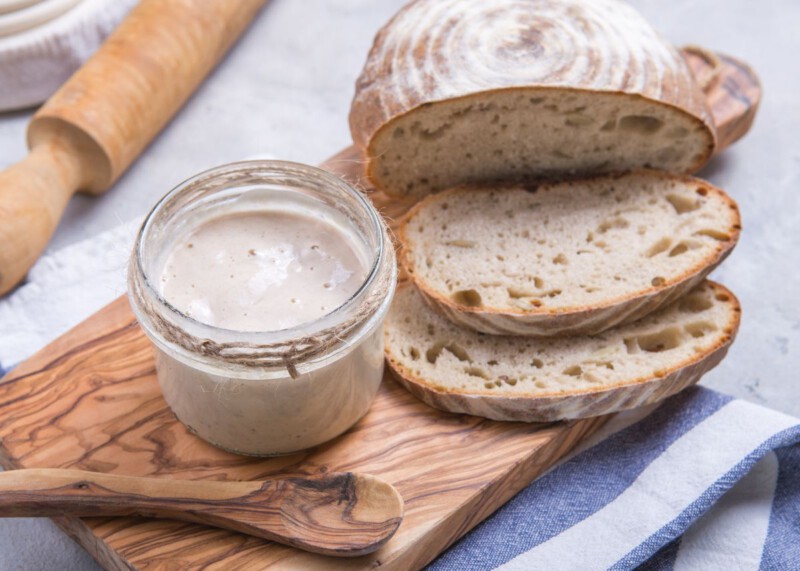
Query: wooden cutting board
[[90, 400]]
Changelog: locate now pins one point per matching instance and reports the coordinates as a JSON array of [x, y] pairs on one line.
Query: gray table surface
[[285, 91]]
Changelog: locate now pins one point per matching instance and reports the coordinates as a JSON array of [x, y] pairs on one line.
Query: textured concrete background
[[285, 90]]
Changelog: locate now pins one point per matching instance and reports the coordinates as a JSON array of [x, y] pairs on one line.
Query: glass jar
[[266, 393]]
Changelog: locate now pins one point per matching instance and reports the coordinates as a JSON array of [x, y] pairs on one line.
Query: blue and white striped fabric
[[702, 482]]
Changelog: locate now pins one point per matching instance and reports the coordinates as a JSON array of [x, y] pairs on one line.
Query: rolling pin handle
[[33, 195]]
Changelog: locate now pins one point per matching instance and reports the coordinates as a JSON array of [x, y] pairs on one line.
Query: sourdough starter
[[268, 271], [262, 271]]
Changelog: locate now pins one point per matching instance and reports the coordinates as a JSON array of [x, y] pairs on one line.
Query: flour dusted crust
[[545, 380], [533, 79], [567, 258]]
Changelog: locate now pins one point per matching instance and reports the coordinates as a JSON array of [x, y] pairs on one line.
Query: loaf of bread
[[543, 380], [473, 91], [566, 258]]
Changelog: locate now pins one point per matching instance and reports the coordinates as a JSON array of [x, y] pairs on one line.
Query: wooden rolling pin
[[342, 514], [92, 129]]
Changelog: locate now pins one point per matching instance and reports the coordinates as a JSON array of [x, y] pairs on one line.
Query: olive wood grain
[[91, 401], [733, 92], [93, 128], [339, 514]]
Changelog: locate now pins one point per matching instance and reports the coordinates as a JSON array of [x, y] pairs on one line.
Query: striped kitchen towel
[[703, 481]]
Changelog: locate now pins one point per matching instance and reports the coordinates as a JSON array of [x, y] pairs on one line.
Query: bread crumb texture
[[431, 351], [566, 246]]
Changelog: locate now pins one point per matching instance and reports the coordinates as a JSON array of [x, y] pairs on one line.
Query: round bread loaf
[[470, 91]]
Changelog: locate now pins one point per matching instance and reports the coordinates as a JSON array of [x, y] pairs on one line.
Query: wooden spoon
[[341, 514]]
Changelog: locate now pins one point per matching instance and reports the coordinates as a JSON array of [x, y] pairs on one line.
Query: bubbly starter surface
[[261, 271]]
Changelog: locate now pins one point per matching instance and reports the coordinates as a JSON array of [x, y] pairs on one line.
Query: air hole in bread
[[536, 302], [640, 124], [578, 120], [573, 371], [456, 350], [679, 249], [517, 293], [700, 328], [511, 381], [609, 125], [695, 303], [724, 297], [659, 247], [614, 223], [538, 282], [560, 259], [414, 353], [536, 100], [468, 298], [477, 372], [682, 203], [658, 281], [702, 191], [712, 233], [591, 377], [677, 132], [462, 243], [492, 363], [429, 133], [663, 340], [669, 155], [538, 363]]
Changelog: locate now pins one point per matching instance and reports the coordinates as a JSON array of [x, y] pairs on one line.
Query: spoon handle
[[316, 514]]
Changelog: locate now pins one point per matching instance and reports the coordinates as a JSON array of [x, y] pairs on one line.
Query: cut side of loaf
[[544, 380], [475, 91], [567, 258], [532, 133]]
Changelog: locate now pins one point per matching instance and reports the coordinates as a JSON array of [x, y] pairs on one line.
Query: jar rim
[[264, 167]]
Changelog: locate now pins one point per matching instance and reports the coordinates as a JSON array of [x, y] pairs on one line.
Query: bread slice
[[531, 380], [474, 91], [566, 258]]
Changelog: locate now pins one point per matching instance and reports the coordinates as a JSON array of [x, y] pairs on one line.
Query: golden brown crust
[[549, 407], [579, 320]]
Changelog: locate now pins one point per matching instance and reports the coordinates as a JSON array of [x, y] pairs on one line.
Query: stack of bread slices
[[558, 252]]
